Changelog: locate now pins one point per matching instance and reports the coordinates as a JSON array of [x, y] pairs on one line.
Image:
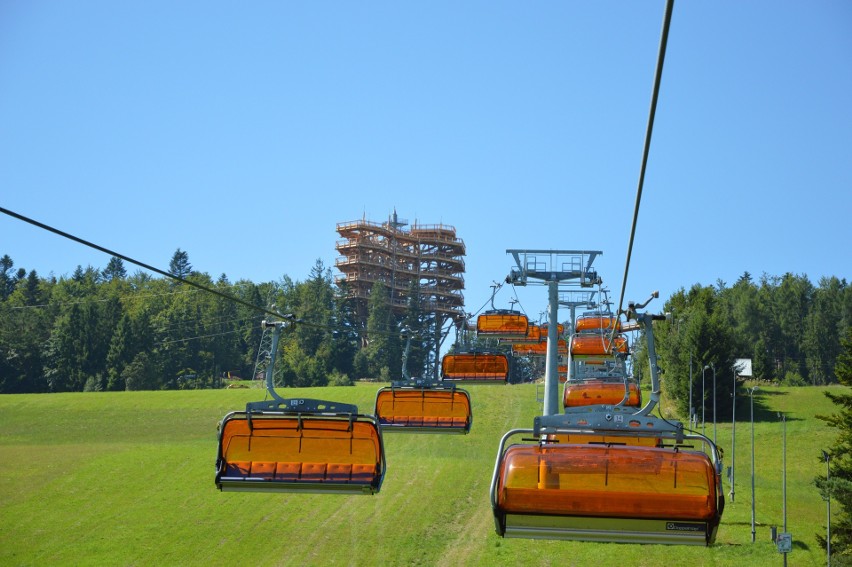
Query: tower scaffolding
[[429, 254]]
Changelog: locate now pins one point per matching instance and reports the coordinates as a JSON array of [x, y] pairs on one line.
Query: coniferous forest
[[108, 329], [790, 328]]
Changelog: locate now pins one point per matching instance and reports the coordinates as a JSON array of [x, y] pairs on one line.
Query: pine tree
[[179, 264], [839, 488], [416, 327], [383, 349], [7, 280], [114, 270]]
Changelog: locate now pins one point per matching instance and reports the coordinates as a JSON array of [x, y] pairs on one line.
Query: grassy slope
[[127, 478]]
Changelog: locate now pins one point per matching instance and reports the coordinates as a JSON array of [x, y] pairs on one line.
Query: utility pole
[[827, 459], [713, 366], [703, 402], [691, 408], [733, 434], [751, 395], [784, 476]]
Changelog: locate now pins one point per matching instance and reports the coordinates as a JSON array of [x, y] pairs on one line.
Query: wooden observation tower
[[427, 254]]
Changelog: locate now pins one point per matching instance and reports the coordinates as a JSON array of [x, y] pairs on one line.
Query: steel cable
[[655, 94]]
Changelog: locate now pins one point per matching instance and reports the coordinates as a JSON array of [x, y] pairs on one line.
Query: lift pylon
[[552, 267]]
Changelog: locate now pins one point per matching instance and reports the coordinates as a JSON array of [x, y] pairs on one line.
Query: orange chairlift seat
[[533, 336], [539, 348], [475, 367], [596, 345], [418, 406], [596, 323], [608, 392], [308, 446], [608, 476], [299, 445], [502, 323]]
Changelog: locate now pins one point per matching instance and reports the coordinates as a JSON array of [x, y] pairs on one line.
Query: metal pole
[[751, 395], [827, 458], [691, 407], [784, 473], [551, 364], [733, 435], [713, 366], [703, 400]]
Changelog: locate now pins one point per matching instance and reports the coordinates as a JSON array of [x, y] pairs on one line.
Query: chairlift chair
[[299, 445], [601, 382], [502, 323], [539, 348], [645, 482], [596, 322], [601, 392], [419, 406], [533, 335], [609, 473], [475, 367]]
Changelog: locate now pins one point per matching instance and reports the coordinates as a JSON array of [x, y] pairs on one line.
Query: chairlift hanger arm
[[633, 307], [645, 321], [299, 445], [294, 405]]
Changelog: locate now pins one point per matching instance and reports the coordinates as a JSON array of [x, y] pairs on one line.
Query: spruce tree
[[839, 488]]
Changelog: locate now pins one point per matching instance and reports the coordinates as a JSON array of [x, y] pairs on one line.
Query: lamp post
[[703, 402], [784, 474], [751, 395], [827, 458], [713, 367], [733, 434], [691, 407]]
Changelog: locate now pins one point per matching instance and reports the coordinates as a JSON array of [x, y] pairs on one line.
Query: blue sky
[[243, 133]]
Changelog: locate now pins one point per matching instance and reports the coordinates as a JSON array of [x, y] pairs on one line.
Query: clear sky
[[243, 133]]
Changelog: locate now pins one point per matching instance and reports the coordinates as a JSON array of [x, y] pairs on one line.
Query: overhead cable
[[146, 266], [283, 316], [656, 91]]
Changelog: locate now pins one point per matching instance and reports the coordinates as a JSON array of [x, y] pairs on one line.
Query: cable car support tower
[[553, 268]]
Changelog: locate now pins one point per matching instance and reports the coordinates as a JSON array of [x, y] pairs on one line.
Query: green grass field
[[127, 479]]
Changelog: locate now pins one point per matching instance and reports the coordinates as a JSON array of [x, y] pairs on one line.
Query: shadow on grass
[[762, 413], [762, 530]]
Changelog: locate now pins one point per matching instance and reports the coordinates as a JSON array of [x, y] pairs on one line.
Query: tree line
[[105, 329], [789, 328]]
